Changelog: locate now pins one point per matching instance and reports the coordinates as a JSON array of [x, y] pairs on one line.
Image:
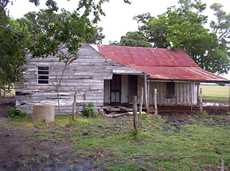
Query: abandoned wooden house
[[112, 75]]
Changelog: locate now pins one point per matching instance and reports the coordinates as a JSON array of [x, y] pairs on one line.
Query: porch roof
[[159, 63]]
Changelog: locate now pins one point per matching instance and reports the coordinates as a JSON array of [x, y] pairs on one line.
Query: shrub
[[89, 110], [228, 113], [203, 114], [15, 113]]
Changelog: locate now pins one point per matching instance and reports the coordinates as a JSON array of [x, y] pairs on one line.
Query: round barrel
[[43, 112]]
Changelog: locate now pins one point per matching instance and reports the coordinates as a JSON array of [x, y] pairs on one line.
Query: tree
[[221, 27], [11, 50], [50, 32], [134, 39], [59, 34], [45, 33], [183, 27]]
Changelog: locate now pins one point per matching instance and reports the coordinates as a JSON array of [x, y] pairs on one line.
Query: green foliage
[[158, 145], [47, 32], [134, 39], [89, 111], [12, 53], [43, 33], [203, 114], [52, 33], [12, 41], [14, 113], [221, 26], [184, 27], [87, 7]]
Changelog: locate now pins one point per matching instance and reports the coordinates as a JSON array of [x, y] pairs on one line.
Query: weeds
[[89, 111], [14, 113], [113, 144]]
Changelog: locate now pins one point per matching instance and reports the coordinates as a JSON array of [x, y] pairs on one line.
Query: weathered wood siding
[[185, 93], [89, 75], [86, 75]]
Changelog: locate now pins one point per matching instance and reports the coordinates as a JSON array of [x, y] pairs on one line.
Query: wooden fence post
[[135, 113], [222, 165], [74, 105], [155, 101], [141, 100], [228, 97], [201, 100]]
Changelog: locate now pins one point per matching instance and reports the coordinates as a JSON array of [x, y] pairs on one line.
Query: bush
[[16, 113], [203, 114], [228, 113], [89, 111]]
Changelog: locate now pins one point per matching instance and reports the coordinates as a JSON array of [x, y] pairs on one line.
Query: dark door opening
[[115, 90], [132, 87]]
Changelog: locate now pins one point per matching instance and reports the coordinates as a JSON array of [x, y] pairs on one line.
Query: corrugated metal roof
[[159, 63]]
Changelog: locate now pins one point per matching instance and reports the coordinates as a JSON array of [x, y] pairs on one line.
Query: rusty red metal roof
[[159, 63]]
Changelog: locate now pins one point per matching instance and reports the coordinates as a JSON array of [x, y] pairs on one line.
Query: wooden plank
[[141, 100], [201, 100], [74, 105], [135, 119], [155, 101], [146, 93]]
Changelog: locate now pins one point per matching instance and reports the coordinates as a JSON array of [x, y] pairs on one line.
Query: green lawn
[[215, 93], [111, 143]]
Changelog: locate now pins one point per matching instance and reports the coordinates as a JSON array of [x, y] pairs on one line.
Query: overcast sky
[[119, 16]]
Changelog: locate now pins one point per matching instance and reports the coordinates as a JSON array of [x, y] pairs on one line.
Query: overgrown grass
[[215, 93], [158, 145]]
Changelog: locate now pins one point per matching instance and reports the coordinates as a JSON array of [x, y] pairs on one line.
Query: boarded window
[[43, 75], [170, 89]]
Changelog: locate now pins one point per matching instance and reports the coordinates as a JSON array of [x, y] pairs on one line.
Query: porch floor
[[108, 109]]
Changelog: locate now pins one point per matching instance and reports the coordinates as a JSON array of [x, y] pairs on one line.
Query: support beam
[[201, 100], [74, 106], [155, 102], [228, 97], [146, 93], [198, 94], [141, 100], [135, 118]]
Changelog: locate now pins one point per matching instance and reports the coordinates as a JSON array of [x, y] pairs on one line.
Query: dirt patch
[[21, 149], [180, 119], [3, 110], [5, 103]]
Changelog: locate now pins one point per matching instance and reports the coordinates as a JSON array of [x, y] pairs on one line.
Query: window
[[43, 75], [170, 89]]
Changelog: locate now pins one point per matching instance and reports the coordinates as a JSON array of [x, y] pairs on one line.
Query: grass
[[158, 145], [215, 93]]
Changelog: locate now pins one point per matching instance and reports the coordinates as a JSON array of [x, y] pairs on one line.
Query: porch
[[122, 87]]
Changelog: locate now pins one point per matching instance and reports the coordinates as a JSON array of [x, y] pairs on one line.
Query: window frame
[[48, 81], [170, 90]]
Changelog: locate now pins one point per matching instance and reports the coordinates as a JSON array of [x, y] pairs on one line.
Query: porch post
[[146, 93], [155, 101], [228, 85], [201, 100], [141, 100], [198, 94]]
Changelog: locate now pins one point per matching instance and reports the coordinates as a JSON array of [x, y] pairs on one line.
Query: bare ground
[[21, 150]]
